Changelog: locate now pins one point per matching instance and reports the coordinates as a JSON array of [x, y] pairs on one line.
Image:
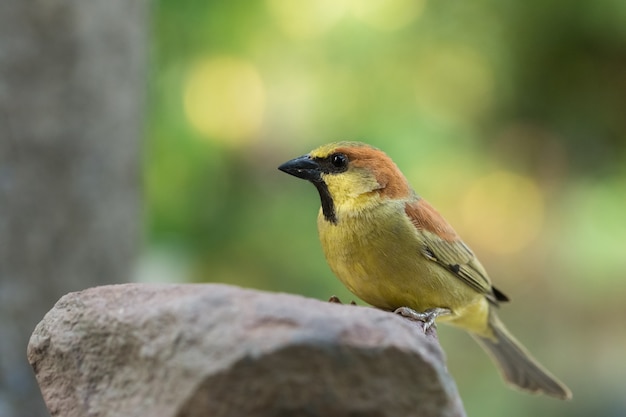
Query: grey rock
[[217, 350]]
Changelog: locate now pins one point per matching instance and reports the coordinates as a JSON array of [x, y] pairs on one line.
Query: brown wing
[[444, 246]]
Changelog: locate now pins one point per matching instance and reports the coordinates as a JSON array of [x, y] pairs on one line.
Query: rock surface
[[216, 350]]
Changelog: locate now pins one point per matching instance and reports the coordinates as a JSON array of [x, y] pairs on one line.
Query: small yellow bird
[[396, 252]]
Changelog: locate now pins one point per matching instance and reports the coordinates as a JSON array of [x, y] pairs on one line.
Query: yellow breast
[[377, 253]]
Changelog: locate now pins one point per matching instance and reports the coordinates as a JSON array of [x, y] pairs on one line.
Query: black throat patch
[[328, 206]]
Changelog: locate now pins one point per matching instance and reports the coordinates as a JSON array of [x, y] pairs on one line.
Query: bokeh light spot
[[306, 19], [503, 212], [387, 15], [224, 100], [291, 104]]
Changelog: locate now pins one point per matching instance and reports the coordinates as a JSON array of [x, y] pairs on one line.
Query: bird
[[396, 252]]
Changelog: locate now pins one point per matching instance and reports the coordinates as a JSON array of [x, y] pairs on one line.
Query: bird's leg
[[336, 300], [428, 317]]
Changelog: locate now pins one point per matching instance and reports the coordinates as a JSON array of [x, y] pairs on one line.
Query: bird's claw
[[336, 300], [428, 317]]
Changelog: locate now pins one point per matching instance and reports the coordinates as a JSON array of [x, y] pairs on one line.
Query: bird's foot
[[336, 300], [428, 317]]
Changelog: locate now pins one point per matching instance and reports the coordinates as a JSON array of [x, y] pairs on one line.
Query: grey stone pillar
[[72, 81]]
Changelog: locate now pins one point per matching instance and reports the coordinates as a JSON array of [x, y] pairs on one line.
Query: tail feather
[[517, 365]]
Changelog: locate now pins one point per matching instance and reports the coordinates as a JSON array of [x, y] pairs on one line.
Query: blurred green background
[[510, 117]]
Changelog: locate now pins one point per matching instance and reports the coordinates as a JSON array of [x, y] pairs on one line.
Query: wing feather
[[444, 246]]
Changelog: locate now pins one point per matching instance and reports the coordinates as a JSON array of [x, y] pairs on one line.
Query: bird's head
[[349, 176]]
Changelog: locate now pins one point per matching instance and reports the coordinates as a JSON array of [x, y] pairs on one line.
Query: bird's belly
[[391, 283], [385, 267]]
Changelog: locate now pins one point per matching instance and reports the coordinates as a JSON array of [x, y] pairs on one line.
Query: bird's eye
[[339, 160]]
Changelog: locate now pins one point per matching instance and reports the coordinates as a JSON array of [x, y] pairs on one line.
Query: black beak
[[303, 167]]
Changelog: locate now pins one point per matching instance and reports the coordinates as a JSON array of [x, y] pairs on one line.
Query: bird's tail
[[517, 365]]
